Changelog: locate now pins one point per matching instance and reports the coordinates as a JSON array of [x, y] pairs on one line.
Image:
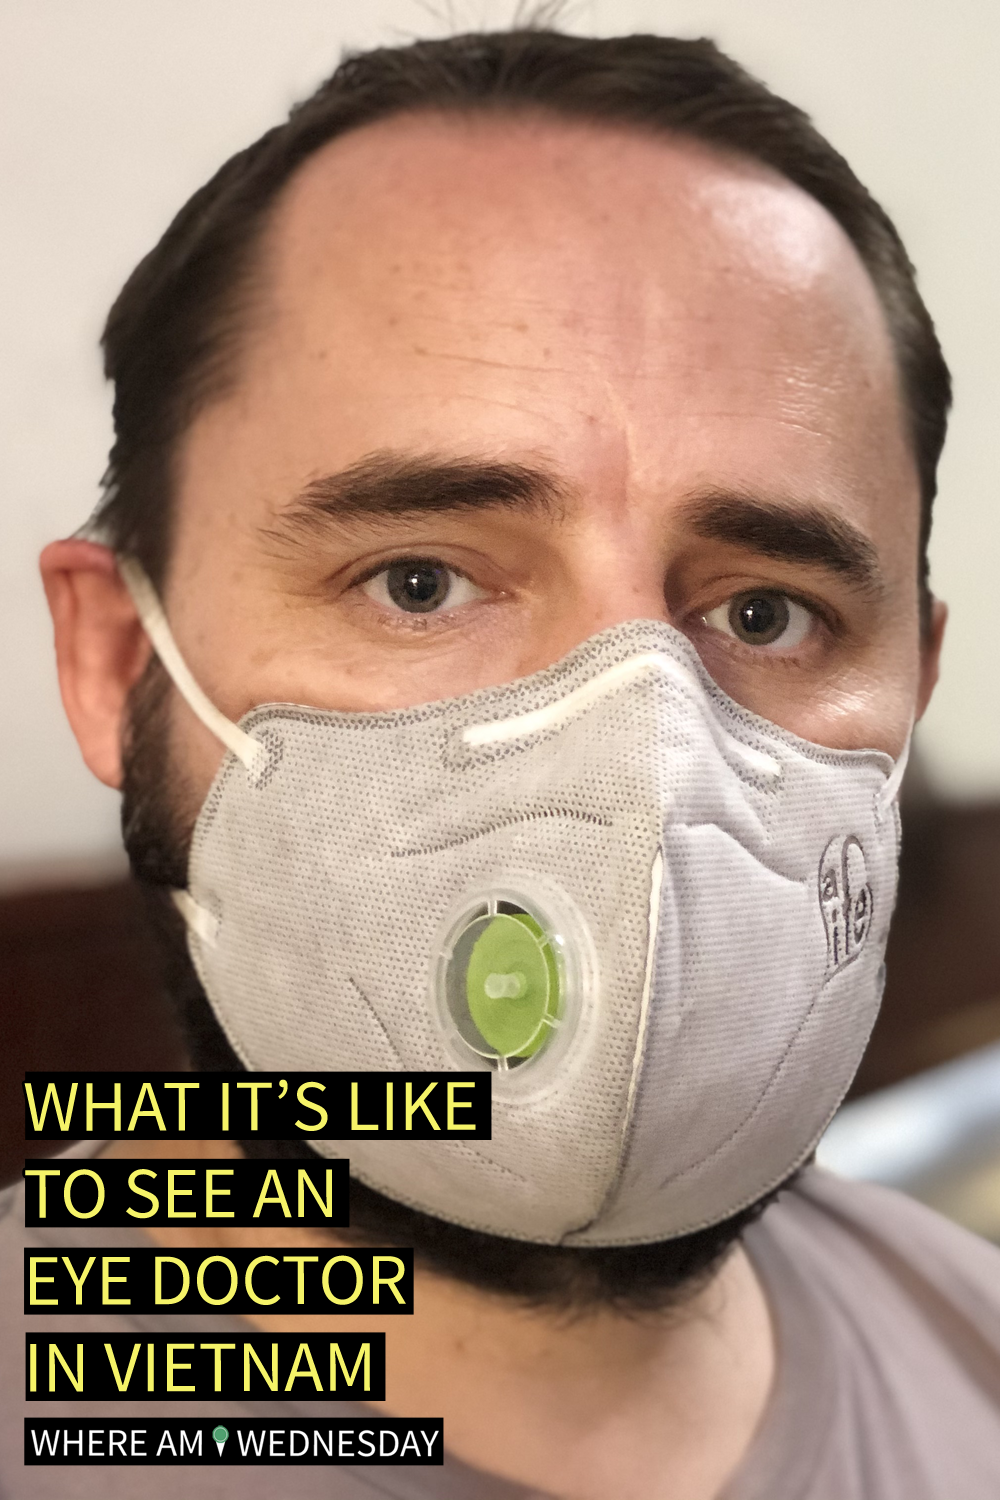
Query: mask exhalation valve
[[502, 980]]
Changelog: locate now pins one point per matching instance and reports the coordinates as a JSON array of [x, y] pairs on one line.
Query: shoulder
[[14, 1235], [887, 1324], [12, 1230], [897, 1307], [863, 1234]]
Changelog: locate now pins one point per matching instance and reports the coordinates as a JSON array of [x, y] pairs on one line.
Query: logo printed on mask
[[845, 899]]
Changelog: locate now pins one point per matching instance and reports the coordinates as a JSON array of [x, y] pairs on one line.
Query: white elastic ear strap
[[144, 597], [895, 778]]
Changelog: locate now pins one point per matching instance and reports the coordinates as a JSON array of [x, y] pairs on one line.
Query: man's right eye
[[420, 586], [763, 618]]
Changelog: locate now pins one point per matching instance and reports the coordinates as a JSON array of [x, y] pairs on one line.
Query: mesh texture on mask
[[333, 880]]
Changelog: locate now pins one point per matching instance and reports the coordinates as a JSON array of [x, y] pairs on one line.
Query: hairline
[[206, 262], [246, 308]]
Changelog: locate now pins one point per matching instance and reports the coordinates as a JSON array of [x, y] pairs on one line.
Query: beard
[[159, 809]]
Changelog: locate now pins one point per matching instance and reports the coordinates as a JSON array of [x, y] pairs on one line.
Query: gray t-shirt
[[888, 1382]]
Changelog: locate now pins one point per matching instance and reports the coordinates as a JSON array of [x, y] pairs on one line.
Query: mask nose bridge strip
[[246, 749], [581, 698]]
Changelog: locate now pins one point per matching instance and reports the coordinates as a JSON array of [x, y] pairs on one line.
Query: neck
[[582, 1405]]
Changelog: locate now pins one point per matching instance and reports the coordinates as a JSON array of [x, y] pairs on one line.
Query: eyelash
[[416, 619], [823, 621], [781, 616], [398, 618]]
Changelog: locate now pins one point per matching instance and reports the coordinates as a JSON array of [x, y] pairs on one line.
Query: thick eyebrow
[[799, 533], [388, 483]]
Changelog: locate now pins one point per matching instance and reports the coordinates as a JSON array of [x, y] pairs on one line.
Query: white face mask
[[659, 918]]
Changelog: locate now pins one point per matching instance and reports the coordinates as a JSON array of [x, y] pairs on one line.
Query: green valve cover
[[512, 985]]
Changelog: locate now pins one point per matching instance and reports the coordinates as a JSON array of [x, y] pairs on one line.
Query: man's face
[[505, 383], [683, 349]]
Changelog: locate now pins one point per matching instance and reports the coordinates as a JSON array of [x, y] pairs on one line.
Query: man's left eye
[[420, 586], [761, 617]]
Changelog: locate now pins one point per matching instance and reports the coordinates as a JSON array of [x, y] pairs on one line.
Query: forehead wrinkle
[[514, 366], [651, 359], [722, 204], [681, 175]]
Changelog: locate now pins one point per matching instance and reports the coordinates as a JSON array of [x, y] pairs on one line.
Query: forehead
[[530, 284]]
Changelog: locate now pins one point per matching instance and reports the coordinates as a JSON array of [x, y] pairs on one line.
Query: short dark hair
[[172, 336]]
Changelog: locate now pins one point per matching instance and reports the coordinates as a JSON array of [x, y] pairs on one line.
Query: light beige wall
[[112, 111]]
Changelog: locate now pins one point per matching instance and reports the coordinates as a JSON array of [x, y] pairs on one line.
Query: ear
[[930, 655], [101, 648]]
